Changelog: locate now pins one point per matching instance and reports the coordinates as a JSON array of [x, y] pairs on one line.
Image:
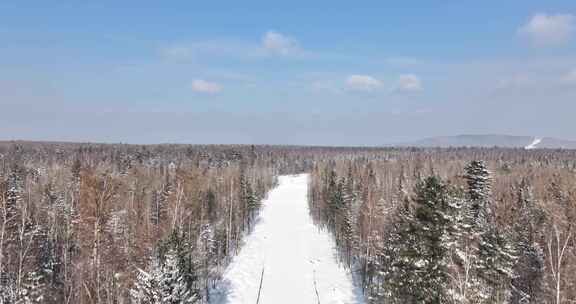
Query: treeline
[[437, 226], [124, 224], [93, 223]]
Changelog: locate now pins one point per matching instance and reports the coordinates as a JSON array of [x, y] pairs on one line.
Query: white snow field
[[534, 143], [297, 258]]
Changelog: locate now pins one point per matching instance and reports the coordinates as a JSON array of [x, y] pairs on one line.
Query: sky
[[285, 72]]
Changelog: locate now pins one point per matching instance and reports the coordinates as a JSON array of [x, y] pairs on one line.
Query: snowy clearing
[[297, 259], [534, 143]]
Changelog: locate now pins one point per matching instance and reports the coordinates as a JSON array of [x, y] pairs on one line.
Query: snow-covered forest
[[92, 223], [455, 225]]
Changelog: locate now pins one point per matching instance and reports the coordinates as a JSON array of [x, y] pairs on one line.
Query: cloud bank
[[203, 86], [279, 44], [364, 83], [549, 30], [408, 83]]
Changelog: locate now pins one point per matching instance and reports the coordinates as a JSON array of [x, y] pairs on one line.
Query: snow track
[[534, 143], [297, 259]]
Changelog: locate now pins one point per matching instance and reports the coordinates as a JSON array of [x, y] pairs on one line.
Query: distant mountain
[[493, 140]]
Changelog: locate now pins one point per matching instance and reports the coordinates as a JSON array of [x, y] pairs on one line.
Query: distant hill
[[493, 140]]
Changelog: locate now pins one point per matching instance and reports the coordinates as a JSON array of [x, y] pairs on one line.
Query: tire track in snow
[[300, 259]]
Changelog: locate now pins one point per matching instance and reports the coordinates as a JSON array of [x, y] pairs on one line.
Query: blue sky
[[291, 72]]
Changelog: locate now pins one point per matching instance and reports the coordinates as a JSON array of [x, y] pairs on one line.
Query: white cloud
[[549, 30], [408, 83], [203, 86], [363, 83], [279, 44]]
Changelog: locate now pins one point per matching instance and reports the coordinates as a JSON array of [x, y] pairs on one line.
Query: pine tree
[[146, 290], [206, 250], [492, 250], [8, 290], [252, 203], [496, 259], [348, 233], [391, 269], [417, 272], [173, 288], [49, 265], [349, 216], [160, 202], [164, 284], [211, 206], [478, 178], [529, 269], [529, 274], [76, 168], [14, 192], [245, 199], [463, 240], [333, 197], [32, 290], [180, 244]]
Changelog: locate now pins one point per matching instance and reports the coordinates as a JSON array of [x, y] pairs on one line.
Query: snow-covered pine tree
[[146, 290], [492, 250], [76, 168], [180, 244], [172, 286], [478, 178], [332, 197], [246, 196], [163, 284], [462, 240], [388, 272], [348, 232], [417, 272], [348, 215], [32, 290], [337, 205], [10, 203], [211, 206], [529, 269], [206, 250], [49, 266], [495, 265], [400, 193], [14, 192], [252, 204], [159, 202], [8, 290]]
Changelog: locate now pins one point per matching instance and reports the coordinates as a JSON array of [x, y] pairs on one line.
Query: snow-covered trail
[[295, 255]]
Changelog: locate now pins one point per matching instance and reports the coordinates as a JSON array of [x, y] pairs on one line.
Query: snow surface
[[534, 143], [299, 260]]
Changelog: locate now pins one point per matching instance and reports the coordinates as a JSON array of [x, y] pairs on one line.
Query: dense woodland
[[91, 223], [454, 225], [121, 224]]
